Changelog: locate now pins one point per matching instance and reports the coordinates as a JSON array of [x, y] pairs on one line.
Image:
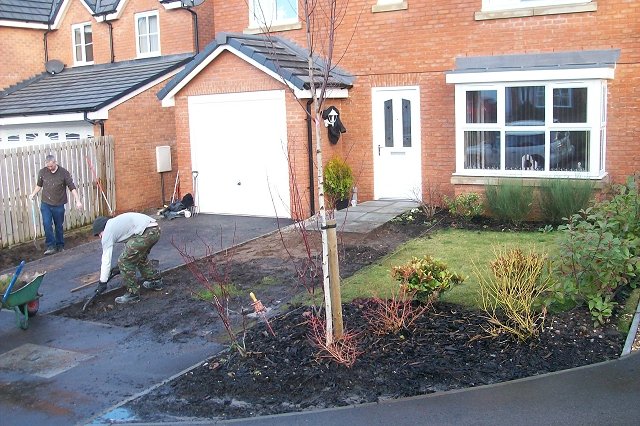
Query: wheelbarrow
[[24, 301]]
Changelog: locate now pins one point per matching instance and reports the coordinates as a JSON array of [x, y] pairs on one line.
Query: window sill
[[537, 11], [599, 182], [400, 5], [148, 55], [273, 28]]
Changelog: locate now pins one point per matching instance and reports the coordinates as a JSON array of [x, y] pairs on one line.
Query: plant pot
[[342, 204]]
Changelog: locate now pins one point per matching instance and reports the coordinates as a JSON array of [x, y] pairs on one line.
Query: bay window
[[531, 128], [532, 115]]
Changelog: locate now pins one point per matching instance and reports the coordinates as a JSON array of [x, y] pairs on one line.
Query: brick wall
[[407, 47], [418, 45], [21, 53], [139, 126]]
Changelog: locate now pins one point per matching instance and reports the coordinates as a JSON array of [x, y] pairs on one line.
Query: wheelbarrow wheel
[[31, 307]]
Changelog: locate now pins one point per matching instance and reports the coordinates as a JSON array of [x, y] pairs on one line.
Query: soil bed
[[446, 349]]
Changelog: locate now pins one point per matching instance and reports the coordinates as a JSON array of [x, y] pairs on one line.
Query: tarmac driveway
[[62, 371]]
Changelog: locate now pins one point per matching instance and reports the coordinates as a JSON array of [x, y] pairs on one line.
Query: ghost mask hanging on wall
[[332, 121]]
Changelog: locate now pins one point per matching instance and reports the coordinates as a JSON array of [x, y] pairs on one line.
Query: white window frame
[[83, 43], [595, 125], [495, 5], [146, 16], [257, 20]]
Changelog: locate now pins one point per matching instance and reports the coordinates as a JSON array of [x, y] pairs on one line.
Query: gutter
[[94, 122]]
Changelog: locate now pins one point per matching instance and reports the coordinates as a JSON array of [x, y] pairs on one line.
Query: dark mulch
[[447, 349]]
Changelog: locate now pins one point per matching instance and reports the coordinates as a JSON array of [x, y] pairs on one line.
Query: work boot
[[128, 298], [153, 284], [50, 250]]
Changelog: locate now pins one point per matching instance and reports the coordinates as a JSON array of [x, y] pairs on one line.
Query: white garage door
[[239, 147]]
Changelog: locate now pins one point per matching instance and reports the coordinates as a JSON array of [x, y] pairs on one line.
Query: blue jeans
[[53, 215]]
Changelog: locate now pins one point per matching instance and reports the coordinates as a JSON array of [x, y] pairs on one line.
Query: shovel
[[35, 225], [101, 288]]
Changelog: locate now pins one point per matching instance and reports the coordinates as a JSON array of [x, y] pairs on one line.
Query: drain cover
[[41, 361]]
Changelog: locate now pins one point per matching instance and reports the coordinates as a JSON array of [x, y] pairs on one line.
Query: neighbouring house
[[73, 69], [437, 97]]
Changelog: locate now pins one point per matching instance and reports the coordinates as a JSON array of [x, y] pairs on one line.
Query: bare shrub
[[213, 276], [399, 312], [343, 350], [510, 294]]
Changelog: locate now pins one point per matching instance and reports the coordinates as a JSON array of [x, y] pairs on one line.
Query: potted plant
[[338, 182]]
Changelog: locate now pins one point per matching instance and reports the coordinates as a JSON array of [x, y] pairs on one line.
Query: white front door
[[396, 143], [239, 148]]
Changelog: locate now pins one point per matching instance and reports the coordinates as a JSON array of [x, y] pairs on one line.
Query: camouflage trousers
[[135, 257]]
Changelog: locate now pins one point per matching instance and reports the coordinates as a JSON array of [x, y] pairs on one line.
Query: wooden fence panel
[[19, 168]]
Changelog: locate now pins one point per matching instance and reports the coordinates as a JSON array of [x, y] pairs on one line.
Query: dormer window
[[269, 13], [82, 44], [147, 34]]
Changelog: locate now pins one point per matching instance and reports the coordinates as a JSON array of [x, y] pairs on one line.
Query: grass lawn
[[459, 249]]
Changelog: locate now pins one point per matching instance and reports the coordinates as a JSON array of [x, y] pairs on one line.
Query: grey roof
[[102, 6], [45, 11], [84, 89], [538, 61], [38, 11], [275, 53]]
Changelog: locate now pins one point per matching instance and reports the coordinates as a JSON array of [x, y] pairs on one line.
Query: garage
[[239, 148]]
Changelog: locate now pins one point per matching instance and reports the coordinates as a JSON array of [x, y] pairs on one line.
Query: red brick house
[[442, 96]]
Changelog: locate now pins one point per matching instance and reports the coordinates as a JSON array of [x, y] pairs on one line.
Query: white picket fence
[[90, 162]]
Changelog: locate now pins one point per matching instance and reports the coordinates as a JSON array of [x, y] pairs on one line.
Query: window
[[489, 5], [531, 128], [82, 44], [267, 13], [147, 34], [41, 137]]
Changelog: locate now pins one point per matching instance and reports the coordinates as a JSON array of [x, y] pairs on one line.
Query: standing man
[[54, 180], [140, 233]]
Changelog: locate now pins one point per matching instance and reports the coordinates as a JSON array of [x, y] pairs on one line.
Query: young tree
[[321, 18]]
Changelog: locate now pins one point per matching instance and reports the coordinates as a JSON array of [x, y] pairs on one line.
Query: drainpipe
[[113, 56], [195, 29], [94, 122], [104, 19], [312, 196], [44, 40]]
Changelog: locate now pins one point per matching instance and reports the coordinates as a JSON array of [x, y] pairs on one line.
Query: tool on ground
[[260, 310], [102, 287], [196, 206], [35, 225], [176, 185], [95, 176]]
